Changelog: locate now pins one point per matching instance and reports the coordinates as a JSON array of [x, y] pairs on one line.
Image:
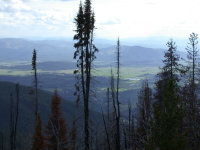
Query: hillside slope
[[26, 107]]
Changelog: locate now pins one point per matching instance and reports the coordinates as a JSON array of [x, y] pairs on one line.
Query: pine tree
[[167, 108], [85, 55], [38, 137], [56, 130], [190, 98], [172, 67], [166, 128], [171, 70], [192, 56]]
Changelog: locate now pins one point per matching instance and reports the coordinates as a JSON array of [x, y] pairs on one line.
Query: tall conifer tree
[[85, 55], [191, 96], [167, 108]]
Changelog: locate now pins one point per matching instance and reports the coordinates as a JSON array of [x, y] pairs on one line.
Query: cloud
[[111, 21], [13, 6], [124, 18], [67, 0], [31, 18]]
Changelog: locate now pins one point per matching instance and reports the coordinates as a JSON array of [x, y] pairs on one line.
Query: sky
[[114, 18]]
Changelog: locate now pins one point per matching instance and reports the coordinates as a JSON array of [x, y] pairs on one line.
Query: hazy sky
[[123, 18]]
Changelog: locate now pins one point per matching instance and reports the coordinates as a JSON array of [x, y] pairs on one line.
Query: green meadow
[[131, 77], [126, 73]]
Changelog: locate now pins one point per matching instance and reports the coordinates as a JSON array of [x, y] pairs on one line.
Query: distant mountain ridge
[[134, 55], [60, 50]]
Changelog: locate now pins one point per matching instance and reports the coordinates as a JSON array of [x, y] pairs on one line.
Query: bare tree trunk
[[17, 116], [108, 104], [14, 119], [36, 94], [86, 127], [115, 100], [129, 124], [118, 145], [125, 140], [11, 123], [106, 130], [86, 101]]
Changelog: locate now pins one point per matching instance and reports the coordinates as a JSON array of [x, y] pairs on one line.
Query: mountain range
[[61, 50]]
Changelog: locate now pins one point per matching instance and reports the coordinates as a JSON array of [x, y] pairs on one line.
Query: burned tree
[[38, 137], [34, 68], [56, 129], [118, 115], [115, 101], [144, 108]]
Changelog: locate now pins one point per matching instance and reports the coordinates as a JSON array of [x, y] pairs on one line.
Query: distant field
[[131, 77], [126, 73]]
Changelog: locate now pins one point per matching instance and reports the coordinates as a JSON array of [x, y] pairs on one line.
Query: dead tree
[[115, 99], [118, 115], [14, 115], [144, 107], [11, 123], [106, 131], [56, 129], [34, 68]]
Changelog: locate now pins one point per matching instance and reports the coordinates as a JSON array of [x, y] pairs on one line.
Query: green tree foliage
[[167, 109], [171, 70], [167, 123], [171, 62]]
